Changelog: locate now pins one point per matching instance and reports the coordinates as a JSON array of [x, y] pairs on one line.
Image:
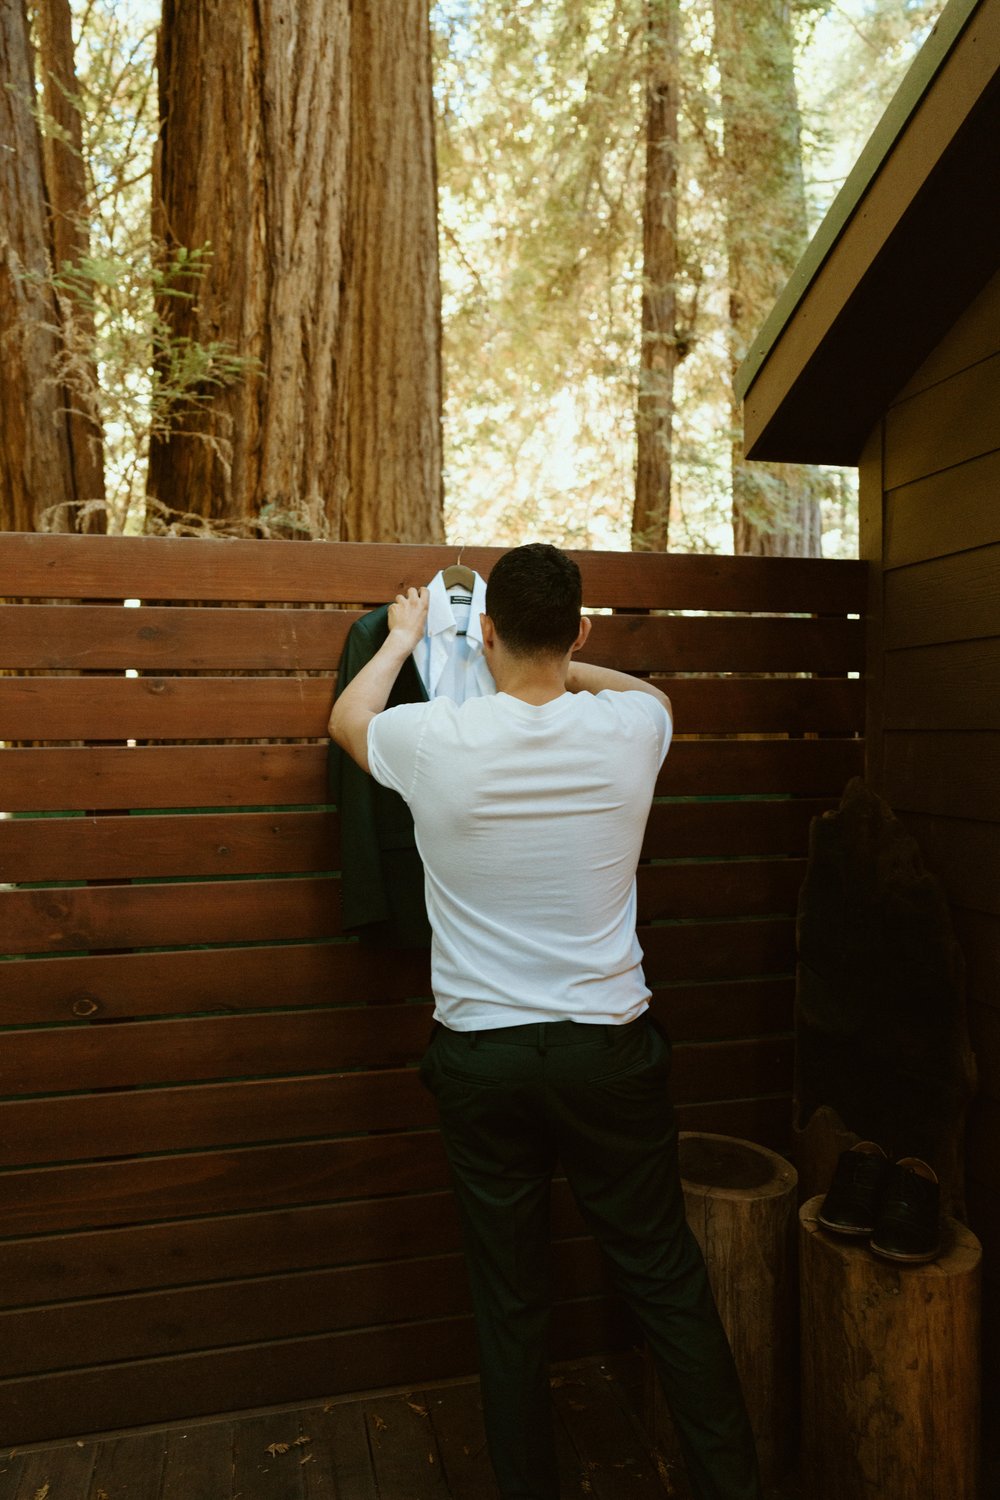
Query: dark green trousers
[[515, 1101]]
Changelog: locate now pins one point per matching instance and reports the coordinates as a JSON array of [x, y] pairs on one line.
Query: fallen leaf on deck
[[421, 1411], [41, 1494], [300, 1440], [379, 1423], [275, 1448], [307, 1460]]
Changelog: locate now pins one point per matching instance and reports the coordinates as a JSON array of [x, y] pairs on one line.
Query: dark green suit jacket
[[382, 877]]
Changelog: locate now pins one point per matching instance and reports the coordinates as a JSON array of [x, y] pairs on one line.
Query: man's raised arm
[[367, 694], [584, 678]]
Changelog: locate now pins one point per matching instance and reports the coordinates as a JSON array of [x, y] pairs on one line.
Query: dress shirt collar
[[439, 612]]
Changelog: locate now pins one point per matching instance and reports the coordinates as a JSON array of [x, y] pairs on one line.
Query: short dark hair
[[533, 597]]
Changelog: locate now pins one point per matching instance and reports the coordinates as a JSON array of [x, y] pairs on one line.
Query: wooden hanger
[[458, 575]]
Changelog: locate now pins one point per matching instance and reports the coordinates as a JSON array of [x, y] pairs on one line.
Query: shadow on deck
[[423, 1444]]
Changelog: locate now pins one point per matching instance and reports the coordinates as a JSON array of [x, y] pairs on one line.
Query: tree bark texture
[[36, 460], [890, 1368], [296, 141], [658, 357], [66, 185], [740, 1203], [775, 509]]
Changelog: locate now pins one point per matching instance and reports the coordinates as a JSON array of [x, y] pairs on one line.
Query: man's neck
[[534, 681]]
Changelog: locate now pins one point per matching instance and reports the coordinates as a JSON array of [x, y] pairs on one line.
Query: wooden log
[[890, 1369], [740, 1204]]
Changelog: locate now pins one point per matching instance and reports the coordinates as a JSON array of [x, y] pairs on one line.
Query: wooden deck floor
[[414, 1445], [402, 1445]]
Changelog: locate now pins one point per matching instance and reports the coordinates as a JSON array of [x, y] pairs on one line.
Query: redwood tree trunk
[[775, 510], [297, 140], [36, 461], [658, 358], [66, 184]]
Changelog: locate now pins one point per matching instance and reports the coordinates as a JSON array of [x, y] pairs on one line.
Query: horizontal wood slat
[[945, 513], [219, 708], [250, 1311], [953, 686], [114, 848], [84, 1127], [115, 986], [69, 918], [89, 1195], [102, 1262], [950, 599], [957, 420], [219, 1170], [721, 1012], [160, 640], [89, 1127], [84, 1057], [127, 984], [952, 775], [965, 857], [151, 1189], [216, 776], [155, 568], [290, 1370]]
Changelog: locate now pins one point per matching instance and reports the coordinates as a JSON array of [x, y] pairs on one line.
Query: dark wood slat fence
[[220, 1181]]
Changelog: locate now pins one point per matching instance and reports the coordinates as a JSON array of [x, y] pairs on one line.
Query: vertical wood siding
[[221, 1185]]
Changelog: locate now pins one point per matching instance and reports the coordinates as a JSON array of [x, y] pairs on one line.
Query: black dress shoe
[[852, 1204], [909, 1223]]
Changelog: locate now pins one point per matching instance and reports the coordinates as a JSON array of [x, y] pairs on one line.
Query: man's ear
[[489, 631], [581, 639]]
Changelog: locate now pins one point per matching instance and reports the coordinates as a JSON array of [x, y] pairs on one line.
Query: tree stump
[[740, 1200], [890, 1369]]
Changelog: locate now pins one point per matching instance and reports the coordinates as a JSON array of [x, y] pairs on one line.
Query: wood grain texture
[[227, 708], [953, 598], [974, 336], [108, 987], [954, 421], [158, 640], [36, 566], [131, 1121], [953, 775], [246, 776], [206, 844], [287, 1370], [890, 1369], [740, 1202], [70, 918], [948, 512], [955, 686]]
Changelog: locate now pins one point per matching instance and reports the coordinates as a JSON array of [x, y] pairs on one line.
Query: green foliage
[[118, 354], [541, 160]]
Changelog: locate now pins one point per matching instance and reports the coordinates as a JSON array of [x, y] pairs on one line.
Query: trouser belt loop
[[543, 1037], [473, 1040]]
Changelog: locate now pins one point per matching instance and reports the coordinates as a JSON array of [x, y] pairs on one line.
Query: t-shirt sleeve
[[393, 741], [653, 710]]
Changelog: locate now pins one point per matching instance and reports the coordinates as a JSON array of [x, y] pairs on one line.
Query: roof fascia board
[[915, 84]]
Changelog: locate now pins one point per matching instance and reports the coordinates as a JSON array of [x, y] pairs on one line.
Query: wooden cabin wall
[[930, 499], [221, 1185]]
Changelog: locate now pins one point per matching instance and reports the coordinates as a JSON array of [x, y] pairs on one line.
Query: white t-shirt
[[529, 822]]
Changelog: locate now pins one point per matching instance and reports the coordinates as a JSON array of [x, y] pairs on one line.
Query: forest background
[[373, 270]]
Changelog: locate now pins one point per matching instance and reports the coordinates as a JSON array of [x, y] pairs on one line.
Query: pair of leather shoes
[[894, 1205]]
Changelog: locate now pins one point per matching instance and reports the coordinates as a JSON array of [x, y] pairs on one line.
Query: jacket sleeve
[[382, 878]]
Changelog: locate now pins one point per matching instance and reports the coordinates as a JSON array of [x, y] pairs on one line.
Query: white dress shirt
[[450, 657]]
